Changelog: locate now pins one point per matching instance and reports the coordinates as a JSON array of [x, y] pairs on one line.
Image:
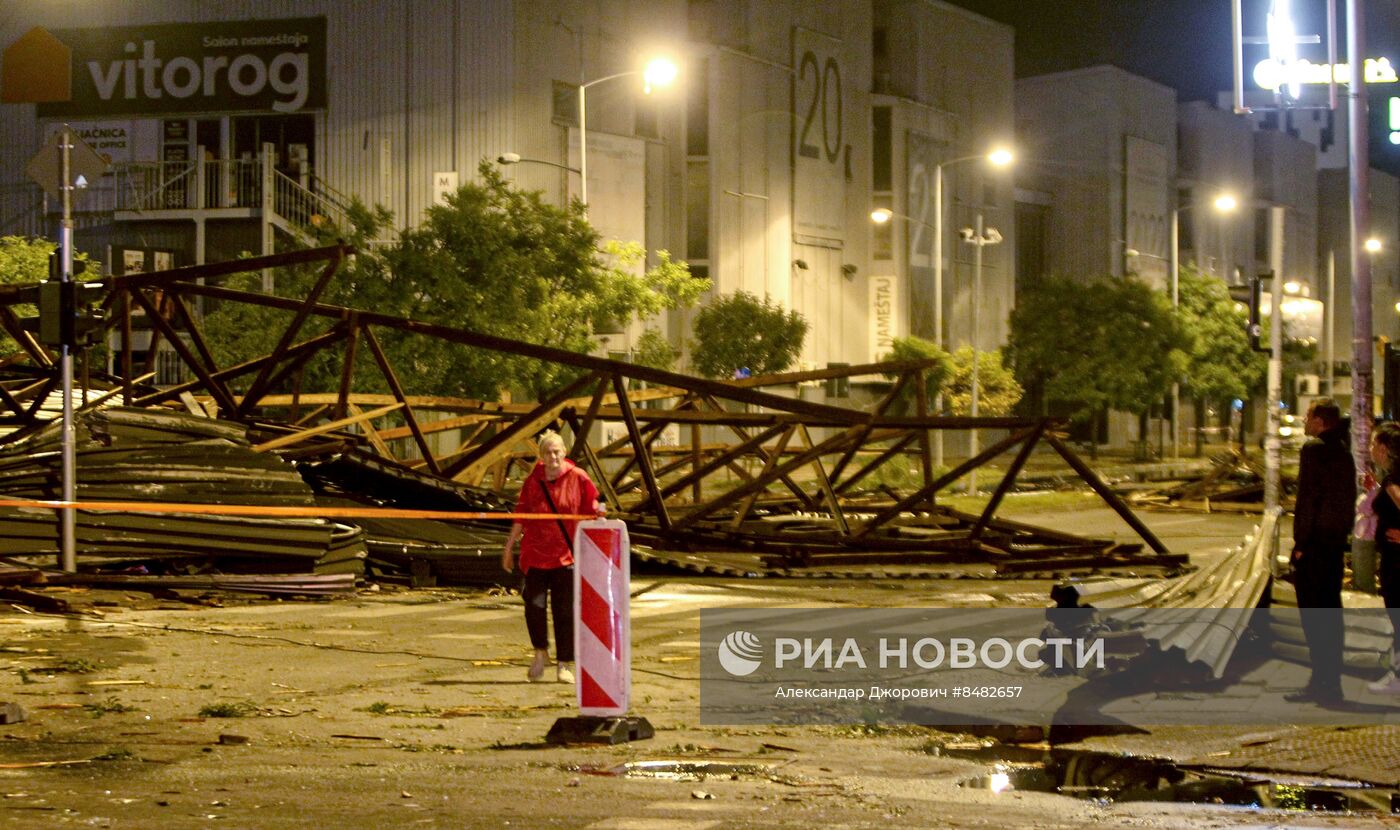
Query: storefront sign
[[1271, 74], [264, 65], [884, 316], [109, 139]]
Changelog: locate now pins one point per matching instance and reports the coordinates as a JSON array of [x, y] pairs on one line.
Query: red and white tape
[[602, 625]]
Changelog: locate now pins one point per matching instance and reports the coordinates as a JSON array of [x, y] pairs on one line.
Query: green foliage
[[740, 331], [26, 260], [1103, 344], [1220, 364], [997, 389], [907, 349], [655, 351], [493, 260]]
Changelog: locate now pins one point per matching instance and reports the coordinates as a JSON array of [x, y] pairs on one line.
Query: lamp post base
[[592, 729]]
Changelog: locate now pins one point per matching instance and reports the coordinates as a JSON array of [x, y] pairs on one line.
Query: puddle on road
[[1108, 777], [688, 770]]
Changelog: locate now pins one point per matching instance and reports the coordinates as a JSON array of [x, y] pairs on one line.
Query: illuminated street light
[[1373, 245], [515, 158], [981, 237], [659, 72], [998, 157], [1223, 203]]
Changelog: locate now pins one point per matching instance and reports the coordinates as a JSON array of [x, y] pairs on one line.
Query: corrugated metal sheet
[[1215, 603]]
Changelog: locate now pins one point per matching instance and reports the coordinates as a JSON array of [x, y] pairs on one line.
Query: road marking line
[[377, 611], [621, 823], [485, 615]]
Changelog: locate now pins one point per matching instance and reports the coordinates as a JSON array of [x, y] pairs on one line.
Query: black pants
[[1318, 580], [1390, 589], [557, 584]]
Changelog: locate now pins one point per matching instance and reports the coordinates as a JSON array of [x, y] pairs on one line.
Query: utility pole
[[68, 558], [1272, 449], [1359, 157]]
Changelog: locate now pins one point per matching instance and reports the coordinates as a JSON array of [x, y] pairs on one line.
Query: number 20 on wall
[[819, 85]]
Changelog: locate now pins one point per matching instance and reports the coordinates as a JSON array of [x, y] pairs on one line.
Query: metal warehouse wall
[[415, 87]]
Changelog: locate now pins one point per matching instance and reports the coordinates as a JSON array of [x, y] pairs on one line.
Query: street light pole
[[1224, 203], [1176, 301], [981, 237], [659, 72], [999, 158]]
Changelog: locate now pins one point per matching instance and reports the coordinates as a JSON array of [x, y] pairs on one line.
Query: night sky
[[1185, 44]]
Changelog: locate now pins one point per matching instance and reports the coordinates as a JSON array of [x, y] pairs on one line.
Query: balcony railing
[[189, 186]]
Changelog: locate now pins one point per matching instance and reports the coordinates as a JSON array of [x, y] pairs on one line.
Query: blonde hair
[[549, 436]]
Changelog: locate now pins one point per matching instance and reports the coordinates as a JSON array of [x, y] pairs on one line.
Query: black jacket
[[1325, 510]]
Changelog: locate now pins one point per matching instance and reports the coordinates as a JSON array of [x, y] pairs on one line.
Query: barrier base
[[591, 729]]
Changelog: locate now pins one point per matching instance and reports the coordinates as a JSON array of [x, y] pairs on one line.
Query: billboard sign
[[257, 65]]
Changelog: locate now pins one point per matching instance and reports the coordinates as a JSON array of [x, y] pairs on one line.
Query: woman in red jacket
[[555, 485]]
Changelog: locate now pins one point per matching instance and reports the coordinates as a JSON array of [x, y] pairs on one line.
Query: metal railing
[[304, 209], [218, 183]]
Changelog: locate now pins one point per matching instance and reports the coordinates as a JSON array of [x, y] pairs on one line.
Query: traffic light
[[1251, 295], [67, 312]]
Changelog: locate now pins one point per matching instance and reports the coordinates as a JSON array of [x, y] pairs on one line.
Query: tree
[[496, 260], [997, 389], [739, 332], [26, 260], [903, 349], [1098, 345], [1220, 364], [655, 351]]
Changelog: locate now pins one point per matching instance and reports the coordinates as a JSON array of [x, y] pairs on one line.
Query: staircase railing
[[305, 209]]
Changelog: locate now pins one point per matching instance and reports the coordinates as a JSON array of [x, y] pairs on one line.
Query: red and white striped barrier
[[602, 624]]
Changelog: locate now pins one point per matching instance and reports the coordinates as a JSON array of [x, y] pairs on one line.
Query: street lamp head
[[881, 215], [1226, 202], [1292, 287], [508, 158], [1001, 157], [1373, 245], [659, 72]]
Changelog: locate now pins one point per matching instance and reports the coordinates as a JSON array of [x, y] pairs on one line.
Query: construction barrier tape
[[281, 511], [602, 621]]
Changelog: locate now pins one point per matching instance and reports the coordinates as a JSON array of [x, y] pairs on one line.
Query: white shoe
[[537, 668], [565, 672], [1388, 685]]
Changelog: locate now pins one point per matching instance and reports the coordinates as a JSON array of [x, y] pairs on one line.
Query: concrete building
[[234, 126], [1101, 157]]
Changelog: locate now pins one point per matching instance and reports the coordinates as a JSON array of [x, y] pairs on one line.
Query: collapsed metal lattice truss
[[799, 465]]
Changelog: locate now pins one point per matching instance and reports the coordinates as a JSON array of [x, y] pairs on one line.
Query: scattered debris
[[1234, 483]]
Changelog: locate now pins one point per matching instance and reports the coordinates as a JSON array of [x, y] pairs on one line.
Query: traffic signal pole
[[67, 553]]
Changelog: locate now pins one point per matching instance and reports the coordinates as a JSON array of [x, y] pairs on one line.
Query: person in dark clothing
[[1385, 454], [1322, 519]]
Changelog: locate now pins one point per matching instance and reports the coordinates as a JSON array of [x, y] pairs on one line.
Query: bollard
[[602, 639]]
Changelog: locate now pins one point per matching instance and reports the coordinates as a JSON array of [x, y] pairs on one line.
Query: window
[[697, 111], [882, 151], [697, 211]]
